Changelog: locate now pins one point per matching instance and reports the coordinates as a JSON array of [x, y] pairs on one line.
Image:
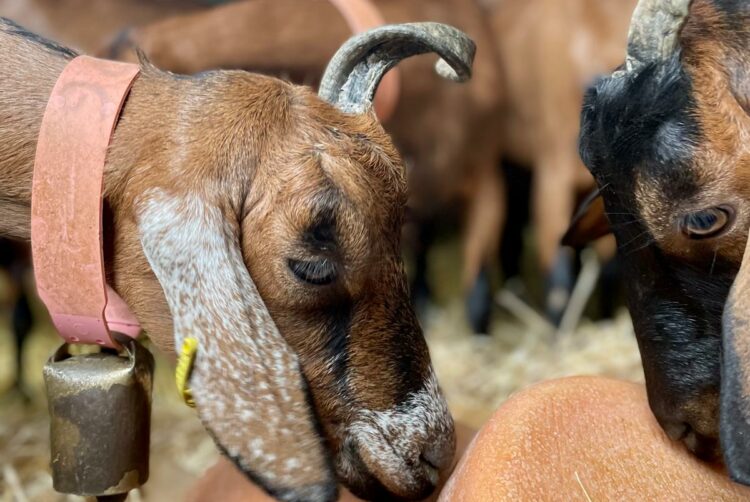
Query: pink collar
[[66, 201], [362, 15]]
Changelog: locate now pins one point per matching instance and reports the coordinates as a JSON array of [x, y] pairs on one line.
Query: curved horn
[[654, 31], [353, 75]]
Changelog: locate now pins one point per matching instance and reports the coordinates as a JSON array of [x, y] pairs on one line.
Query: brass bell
[[100, 410]]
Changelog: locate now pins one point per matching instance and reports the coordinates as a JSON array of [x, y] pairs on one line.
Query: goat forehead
[[639, 137], [639, 119], [730, 14], [376, 189]]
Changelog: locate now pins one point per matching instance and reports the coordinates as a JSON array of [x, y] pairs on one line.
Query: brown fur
[[224, 482], [87, 26], [264, 152], [721, 164], [549, 52]]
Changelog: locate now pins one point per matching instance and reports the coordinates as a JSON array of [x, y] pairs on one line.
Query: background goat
[[549, 52], [16, 260], [252, 215]]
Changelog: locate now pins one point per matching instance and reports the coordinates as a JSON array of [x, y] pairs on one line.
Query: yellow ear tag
[[184, 368]]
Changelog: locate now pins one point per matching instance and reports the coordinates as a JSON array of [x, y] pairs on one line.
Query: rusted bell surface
[[100, 410]]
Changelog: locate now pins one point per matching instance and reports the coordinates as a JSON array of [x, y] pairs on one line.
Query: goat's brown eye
[[707, 223], [316, 272]]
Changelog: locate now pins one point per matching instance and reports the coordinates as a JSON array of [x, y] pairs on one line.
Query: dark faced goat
[[668, 140]]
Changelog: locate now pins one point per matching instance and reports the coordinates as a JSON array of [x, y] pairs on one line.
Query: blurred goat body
[[86, 25], [15, 260], [550, 51]]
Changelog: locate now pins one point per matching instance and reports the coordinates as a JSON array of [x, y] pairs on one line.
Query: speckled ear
[[246, 381], [735, 376]]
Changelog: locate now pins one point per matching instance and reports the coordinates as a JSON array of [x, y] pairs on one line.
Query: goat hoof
[[479, 303]]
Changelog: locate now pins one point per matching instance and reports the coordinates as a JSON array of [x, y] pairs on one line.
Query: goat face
[[323, 226], [274, 236], [666, 140]]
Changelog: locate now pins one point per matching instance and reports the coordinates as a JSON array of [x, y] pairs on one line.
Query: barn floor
[[476, 373]]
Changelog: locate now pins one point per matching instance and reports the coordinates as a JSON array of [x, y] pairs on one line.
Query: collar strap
[[363, 15], [66, 201]]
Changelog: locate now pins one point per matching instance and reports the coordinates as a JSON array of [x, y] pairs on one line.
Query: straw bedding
[[476, 373]]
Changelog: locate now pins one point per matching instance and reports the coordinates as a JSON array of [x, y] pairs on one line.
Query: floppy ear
[[246, 381], [735, 376], [589, 223]]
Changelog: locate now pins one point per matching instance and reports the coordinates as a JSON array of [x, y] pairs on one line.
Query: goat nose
[[437, 457], [675, 430], [701, 445]]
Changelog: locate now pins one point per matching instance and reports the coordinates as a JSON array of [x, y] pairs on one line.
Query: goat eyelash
[[316, 272]]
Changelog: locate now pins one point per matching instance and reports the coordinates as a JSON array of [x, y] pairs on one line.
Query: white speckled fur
[[246, 381], [392, 441]]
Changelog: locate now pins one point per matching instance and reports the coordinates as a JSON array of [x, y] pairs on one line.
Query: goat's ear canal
[[588, 224], [246, 381], [735, 376], [354, 72]]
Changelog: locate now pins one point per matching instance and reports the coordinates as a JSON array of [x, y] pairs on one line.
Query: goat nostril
[[704, 447], [429, 462], [676, 430], [431, 470], [437, 457]]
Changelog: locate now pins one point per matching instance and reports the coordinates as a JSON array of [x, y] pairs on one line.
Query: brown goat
[[666, 140], [86, 25], [549, 52], [263, 221], [446, 133]]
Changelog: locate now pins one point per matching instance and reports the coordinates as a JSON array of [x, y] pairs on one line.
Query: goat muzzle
[[404, 450]]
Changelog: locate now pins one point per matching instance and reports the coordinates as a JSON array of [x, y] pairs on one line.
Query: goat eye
[[706, 223], [315, 272]]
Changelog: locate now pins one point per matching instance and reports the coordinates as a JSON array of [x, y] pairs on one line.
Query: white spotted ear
[[246, 381], [735, 376]]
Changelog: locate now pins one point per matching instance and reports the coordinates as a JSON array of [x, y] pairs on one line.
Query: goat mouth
[[705, 447], [702, 446], [372, 468]]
